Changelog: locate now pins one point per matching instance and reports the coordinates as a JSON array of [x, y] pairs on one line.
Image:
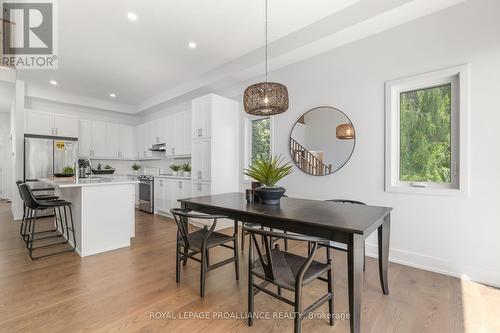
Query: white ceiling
[[148, 62]]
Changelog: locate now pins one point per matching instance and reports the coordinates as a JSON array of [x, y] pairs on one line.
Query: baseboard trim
[[438, 265]]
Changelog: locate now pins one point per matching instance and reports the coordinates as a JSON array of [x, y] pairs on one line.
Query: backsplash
[[125, 167]]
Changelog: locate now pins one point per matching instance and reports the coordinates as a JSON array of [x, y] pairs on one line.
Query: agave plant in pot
[[269, 172]]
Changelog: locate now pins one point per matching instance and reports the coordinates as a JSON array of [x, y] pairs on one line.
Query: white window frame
[[459, 78], [247, 158]]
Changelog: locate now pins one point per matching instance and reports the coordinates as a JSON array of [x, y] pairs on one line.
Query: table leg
[[384, 233], [355, 279]]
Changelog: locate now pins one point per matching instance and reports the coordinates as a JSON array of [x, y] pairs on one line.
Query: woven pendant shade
[[265, 99], [345, 132]]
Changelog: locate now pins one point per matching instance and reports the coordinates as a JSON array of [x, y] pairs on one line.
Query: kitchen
[[168, 158]]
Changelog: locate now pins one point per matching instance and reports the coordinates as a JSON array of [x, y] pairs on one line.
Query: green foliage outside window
[[261, 138], [425, 135]]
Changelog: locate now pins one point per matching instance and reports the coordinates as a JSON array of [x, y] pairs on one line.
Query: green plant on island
[[67, 170], [268, 171], [186, 167], [136, 167], [107, 167]]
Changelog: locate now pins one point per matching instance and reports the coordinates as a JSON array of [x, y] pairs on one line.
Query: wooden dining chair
[[331, 244], [200, 242], [288, 271]]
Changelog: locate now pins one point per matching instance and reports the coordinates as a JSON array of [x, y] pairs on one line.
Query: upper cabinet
[[52, 124], [201, 121], [106, 140], [178, 128]]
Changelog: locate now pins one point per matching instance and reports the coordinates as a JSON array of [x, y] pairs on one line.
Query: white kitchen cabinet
[[200, 188], [181, 189], [40, 123], [48, 123], [170, 134], [126, 141], [201, 120], [200, 159], [65, 125], [85, 138], [112, 145], [215, 152], [98, 130]]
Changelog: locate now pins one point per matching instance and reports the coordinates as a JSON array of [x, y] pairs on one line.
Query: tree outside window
[[425, 135], [261, 138]]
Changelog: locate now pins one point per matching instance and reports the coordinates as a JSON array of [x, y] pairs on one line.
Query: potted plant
[[175, 169], [186, 167], [268, 172], [135, 168]]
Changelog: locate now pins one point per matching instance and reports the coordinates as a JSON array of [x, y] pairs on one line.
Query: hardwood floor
[[122, 290]]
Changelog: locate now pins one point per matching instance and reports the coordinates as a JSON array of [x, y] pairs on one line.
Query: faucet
[[76, 166]]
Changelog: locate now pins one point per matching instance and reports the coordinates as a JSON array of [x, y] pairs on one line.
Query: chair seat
[[215, 239], [46, 197], [53, 203], [286, 267]]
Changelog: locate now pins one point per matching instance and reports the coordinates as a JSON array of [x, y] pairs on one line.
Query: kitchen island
[[103, 211]]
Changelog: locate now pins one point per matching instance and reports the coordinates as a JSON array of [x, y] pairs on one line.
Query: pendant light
[[265, 98], [345, 132]]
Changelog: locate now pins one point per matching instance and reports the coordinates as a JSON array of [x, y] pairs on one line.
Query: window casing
[[404, 166]]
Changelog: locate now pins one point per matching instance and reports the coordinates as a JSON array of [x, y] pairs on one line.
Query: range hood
[[159, 147]]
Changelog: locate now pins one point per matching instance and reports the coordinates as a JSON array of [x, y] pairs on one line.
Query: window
[[426, 133], [258, 139], [261, 138]]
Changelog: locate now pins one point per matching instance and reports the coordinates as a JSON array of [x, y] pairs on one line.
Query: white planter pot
[[187, 173], [175, 173]]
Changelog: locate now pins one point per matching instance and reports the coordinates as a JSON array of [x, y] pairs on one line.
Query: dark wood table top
[[359, 219]]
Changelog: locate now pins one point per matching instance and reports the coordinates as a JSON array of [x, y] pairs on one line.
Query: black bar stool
[[33, 206], [200, 242], [22, 228]]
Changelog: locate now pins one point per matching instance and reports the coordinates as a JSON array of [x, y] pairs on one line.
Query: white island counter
[[103, 211]]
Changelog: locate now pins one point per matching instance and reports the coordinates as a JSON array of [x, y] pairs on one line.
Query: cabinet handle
[[199, 174], [199, 131], [157, 140], [173, 151], [180, 184], [199, 187]]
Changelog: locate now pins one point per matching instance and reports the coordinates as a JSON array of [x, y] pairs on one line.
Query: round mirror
[[322, 141]]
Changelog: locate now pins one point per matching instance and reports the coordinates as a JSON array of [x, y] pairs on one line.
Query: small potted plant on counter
[[175, 169], [268, 172], [186, 167], [135, 168]]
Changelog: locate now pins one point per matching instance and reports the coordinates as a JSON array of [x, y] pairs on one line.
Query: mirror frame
[[303, 115]]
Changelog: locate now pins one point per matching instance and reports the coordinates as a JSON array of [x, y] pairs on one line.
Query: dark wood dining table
[[343, 223]]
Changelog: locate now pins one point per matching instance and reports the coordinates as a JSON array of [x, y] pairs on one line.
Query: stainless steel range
[[146, 193]]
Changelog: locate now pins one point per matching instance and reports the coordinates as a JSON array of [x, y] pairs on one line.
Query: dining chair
[[288, 271], [332, 245], [200, 242]]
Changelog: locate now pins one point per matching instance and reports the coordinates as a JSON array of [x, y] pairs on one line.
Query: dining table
[[339, 222]]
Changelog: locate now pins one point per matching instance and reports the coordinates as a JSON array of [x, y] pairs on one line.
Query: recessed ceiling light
[[132, 16], [52, 82], [192, 45], [112, 95]]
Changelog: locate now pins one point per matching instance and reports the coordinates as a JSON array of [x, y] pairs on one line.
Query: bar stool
[[200, 242], [22, 228], [33, 206]]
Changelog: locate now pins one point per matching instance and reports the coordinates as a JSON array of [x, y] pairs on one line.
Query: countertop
[[158, 176], [91, 181]]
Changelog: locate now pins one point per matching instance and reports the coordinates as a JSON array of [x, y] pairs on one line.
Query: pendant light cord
[[266, 40]]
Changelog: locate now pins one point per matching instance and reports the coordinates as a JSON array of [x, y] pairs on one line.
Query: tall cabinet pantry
[[215, 147]]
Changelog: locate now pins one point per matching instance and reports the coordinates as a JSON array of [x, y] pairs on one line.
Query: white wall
[[454, 235], [5, 157]]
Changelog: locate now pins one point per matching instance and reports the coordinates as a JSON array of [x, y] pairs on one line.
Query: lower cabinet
[[168, 191]]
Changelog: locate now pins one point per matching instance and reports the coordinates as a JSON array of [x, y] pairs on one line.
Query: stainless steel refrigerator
[[46, 155]]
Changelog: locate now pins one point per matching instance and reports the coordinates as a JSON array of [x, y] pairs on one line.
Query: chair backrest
[[354, 202], [19, 182], [27, 195], [182, 216], [268, 265]]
